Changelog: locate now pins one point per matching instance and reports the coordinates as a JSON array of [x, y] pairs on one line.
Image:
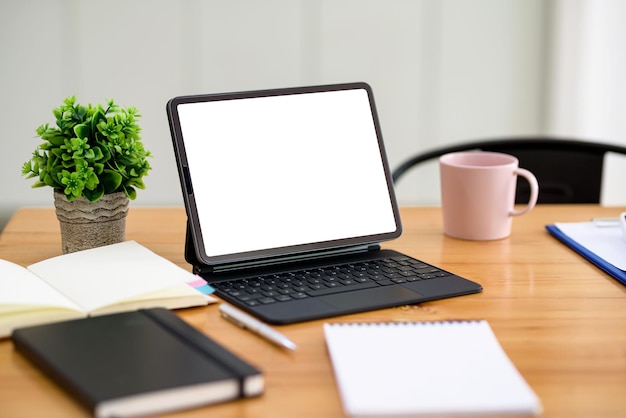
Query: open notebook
[[288, 196], [402, 369]]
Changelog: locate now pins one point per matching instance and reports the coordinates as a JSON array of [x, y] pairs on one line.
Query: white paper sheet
[[606, 241]]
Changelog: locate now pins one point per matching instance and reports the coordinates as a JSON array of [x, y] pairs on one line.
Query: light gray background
[[442, 70]]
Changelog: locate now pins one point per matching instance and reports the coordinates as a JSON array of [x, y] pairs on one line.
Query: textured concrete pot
[[86, 224]]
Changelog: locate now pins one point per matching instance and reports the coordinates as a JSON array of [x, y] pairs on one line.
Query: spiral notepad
[[401, 369]]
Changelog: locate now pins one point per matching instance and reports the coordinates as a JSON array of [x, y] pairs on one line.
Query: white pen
[[245, 321]]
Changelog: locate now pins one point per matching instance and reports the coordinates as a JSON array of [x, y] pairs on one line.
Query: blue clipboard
[[604, 265]]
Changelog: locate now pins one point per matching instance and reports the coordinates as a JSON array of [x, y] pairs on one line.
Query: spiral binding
[[407, 323]]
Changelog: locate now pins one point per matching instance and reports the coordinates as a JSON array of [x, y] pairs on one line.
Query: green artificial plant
[[92, 151]]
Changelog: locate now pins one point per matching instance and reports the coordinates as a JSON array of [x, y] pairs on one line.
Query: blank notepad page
[[402, 369]]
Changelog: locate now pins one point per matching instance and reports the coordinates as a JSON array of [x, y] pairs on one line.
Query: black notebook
[[288, 193], [137, 363]]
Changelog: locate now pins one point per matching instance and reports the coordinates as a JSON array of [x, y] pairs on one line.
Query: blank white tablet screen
[[279, 171]]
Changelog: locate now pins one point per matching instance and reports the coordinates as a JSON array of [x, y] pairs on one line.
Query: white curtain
[[587, 81]]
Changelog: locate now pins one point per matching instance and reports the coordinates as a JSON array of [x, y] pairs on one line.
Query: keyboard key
[[338, 289]]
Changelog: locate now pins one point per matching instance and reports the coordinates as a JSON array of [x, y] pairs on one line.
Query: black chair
[[568, 170]]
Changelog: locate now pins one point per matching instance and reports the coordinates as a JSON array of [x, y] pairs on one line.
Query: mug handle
[[534, 191]]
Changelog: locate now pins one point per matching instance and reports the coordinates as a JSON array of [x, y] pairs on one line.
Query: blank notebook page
[[401, 369]]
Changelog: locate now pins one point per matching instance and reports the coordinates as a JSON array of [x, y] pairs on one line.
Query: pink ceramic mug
[[478, 194]]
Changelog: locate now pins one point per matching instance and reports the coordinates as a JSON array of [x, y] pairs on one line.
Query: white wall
[[442, 71]]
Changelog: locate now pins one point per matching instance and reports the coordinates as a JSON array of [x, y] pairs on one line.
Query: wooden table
[[561, 320]]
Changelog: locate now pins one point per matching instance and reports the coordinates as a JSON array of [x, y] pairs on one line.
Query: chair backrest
[[568, 170]]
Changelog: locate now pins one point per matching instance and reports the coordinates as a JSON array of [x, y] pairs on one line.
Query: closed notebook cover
[[137, 363]]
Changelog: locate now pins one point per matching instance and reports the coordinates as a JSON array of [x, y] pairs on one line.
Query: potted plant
[[94, 161]]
